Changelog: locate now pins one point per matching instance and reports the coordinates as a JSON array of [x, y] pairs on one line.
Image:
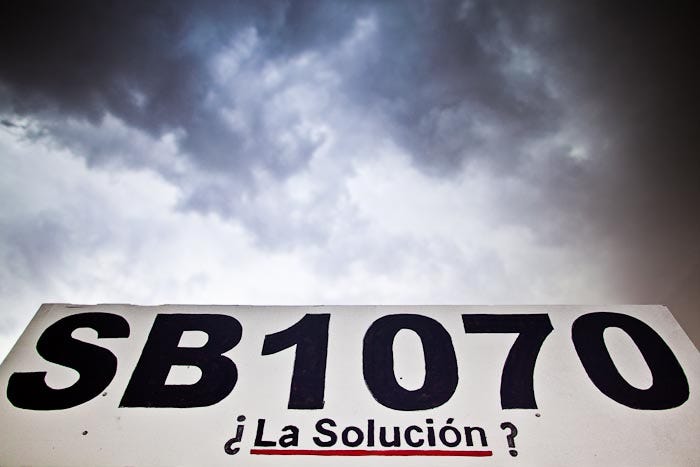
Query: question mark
[[510, 437]]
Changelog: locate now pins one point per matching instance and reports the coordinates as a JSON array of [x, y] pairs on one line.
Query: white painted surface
[[574, 424]]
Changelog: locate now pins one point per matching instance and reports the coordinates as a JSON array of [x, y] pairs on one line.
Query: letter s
[[320, 428], [96, 365]]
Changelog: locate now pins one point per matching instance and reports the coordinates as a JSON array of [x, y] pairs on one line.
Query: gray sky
[[348, 152]]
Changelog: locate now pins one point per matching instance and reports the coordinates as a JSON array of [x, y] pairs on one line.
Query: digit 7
[[517, 391]]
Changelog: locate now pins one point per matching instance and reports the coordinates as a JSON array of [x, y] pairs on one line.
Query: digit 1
[[310, 335], [517, 380], [440, 363], [670, 385]]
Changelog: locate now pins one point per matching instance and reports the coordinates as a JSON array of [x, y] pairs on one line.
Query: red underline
[[369, 452]]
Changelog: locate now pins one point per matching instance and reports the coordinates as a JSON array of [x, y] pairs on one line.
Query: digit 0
[[440, 363], [670, 385]]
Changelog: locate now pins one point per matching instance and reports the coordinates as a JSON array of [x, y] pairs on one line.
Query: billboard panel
[[351, 385]]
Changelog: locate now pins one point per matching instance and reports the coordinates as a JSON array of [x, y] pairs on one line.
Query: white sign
[[351, 386]]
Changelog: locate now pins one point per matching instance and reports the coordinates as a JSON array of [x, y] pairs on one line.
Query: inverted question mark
[[228, 447], [510, 437]]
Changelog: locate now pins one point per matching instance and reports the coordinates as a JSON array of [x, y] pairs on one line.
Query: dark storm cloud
[[449, 77], [631, 71], [453, 79], [147, 63], [438, 71], [646, 79], [628, 73]]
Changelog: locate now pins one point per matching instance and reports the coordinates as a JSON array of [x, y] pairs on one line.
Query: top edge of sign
[[361, 305]]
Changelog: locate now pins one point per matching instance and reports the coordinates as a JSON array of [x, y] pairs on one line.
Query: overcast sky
[[301, 152]]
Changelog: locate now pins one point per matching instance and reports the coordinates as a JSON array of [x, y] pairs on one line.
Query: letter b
[[147, 387]]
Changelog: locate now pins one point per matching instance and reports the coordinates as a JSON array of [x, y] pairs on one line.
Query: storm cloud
[[568, 127]]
